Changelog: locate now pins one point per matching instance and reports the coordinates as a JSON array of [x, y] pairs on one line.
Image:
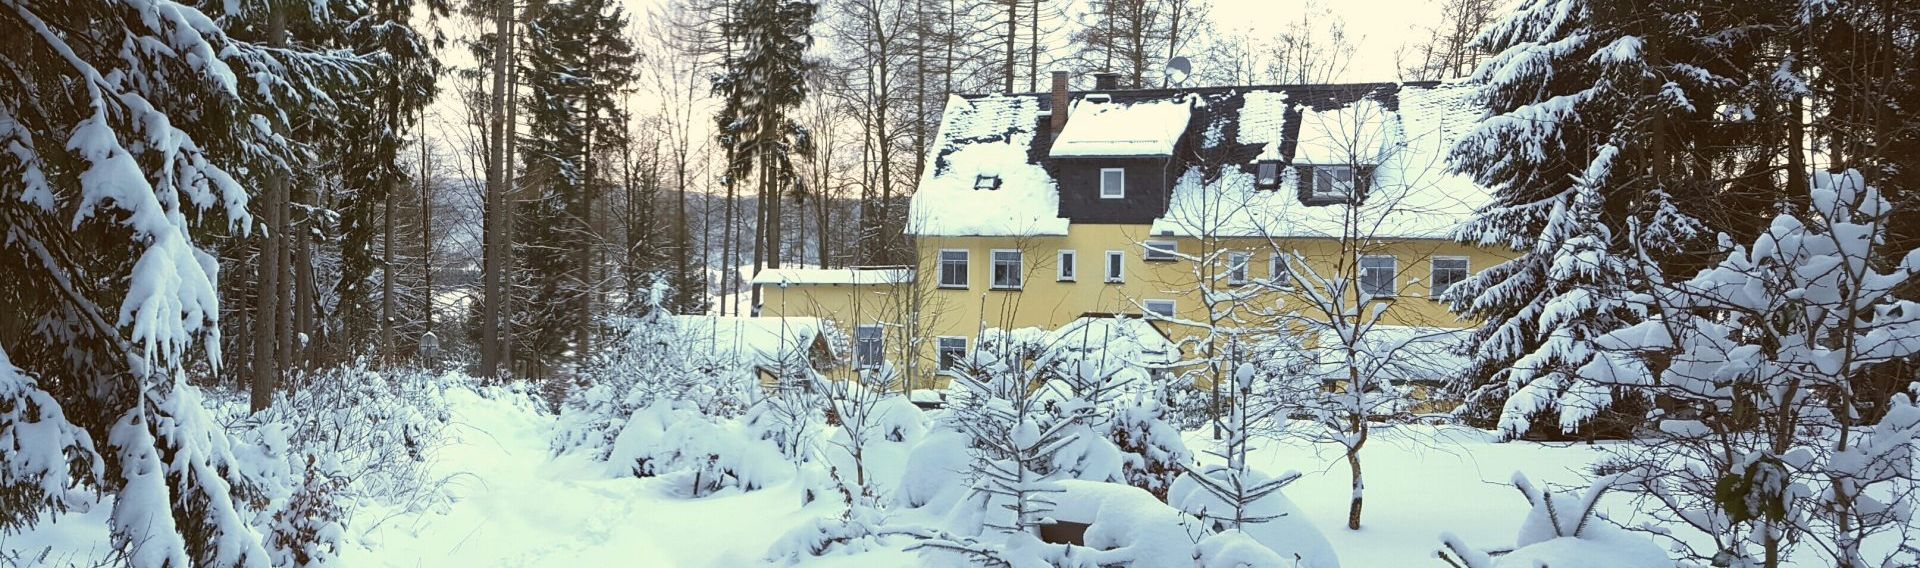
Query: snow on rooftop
[[754, 341], [987, 136], [1263, 120], [854, 276], [1097, 128], [1412, 195], [1352, 134]]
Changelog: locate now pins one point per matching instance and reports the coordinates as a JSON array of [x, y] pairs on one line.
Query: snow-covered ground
[[512, 505]]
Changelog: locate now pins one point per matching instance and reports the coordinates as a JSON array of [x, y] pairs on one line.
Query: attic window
[[986, 182], [1267, 175], [1332, 181]]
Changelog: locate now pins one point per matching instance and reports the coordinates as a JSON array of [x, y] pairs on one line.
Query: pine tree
[[152, 120], [574, 78], [764, 83], [1599, 143]]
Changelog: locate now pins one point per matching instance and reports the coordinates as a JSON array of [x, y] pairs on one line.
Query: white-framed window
[[1113, 183], [869, 345], [1068, 266], [1332, 181], [1162, 250], [1277, 271], [1007, 269], [953, 351], [1266, 175], [1447, 271], [1379, 275], [1116, 266], [986, 182], [1237, 267], [953, 268], [1162, 308]]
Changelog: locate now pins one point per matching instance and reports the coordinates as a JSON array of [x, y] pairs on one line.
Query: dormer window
[[1332, 182], [1113, 183], [1267, 175], [986, 182]]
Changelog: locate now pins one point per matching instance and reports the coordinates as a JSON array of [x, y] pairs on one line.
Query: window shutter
[[1303, 180]]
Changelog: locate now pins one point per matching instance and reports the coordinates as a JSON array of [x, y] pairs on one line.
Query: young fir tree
[[1598, 131], [573, 82]]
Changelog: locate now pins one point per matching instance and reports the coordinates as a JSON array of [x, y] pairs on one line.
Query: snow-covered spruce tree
[[150, 123], [1597, 114], [763, 83], [1562, 530], [581, 61], [1776, 444]]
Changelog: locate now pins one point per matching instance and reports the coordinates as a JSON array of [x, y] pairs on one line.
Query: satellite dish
[[1178, 70]]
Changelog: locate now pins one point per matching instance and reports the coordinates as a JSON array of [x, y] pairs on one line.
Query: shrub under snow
[[700, 454]]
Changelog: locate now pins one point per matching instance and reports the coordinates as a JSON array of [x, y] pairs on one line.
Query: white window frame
[[1263, 181], [1148, 306], [879, 349], [1115, 267], [940, 352], [1118, 192], [1066, 265], [1331, 188], [1019, 269], [1433, 274], [1238, 271], [966, 269], [1160, 251], [990, 182], [1278, 274], [1393, 274]]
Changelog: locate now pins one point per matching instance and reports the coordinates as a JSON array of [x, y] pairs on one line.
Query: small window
[[1116, 263], [1332, 181], [1162, 250], [1006, 269], [1162, 308], [1277, 271], [953, 350], [1068, 265], [953, 269], [1237, 267], [1267, 175], [1447, 271], [1378, 275], [869, 345], [986, 182], [1113, 183]]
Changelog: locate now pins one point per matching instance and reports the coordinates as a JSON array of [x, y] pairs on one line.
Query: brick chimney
[[1058, 120], [1106, 81]]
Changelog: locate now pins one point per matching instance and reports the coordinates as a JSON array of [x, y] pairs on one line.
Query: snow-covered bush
[[654, 359], [1152, 449], [1772, 353], [1564, 530], [699, 453], [1251, 503]]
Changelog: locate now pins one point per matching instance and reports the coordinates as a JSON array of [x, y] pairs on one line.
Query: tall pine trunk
[[491, 348], [266, 368]]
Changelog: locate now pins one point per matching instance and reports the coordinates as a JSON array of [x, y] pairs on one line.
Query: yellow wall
[[1044, 301]]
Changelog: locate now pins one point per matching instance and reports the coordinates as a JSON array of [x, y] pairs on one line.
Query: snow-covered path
[[513, 506]]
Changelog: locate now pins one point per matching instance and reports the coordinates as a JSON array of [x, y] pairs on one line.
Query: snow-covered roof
[[992, 137], [1107, 128], [855, 276], [754, 341], [1405, 130], [1129, 340]]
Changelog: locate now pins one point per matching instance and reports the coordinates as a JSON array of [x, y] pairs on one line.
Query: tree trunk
[[266, 368], [491, 349], [387, 355]]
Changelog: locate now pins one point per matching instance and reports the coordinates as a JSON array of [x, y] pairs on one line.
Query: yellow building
[[1195, 208]]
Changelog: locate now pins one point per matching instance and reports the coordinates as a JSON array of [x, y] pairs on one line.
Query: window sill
[[1005, 289], [1067, 280], [952, 287], [1169, 259], [1112, 281]]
